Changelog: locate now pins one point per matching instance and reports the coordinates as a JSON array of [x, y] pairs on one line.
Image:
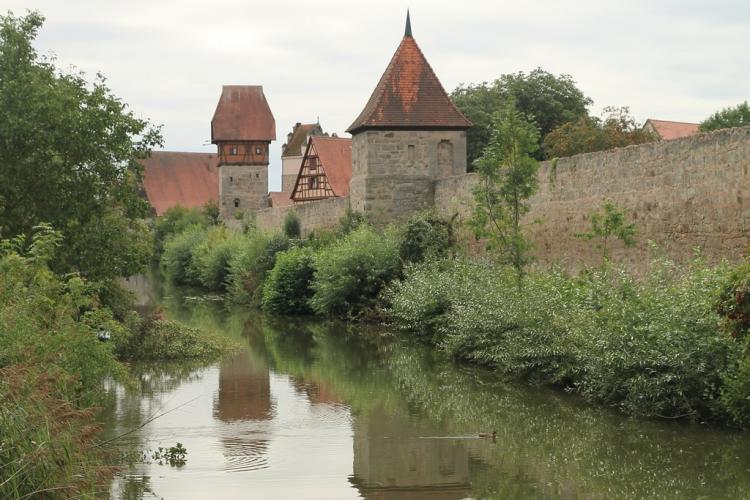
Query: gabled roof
[[243, 114], [280, 199], [335, 154], [672, 130], [409, 95], [186, 179], [294, 146]]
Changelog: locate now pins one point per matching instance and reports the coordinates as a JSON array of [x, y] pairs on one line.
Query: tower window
[[258, 150], [257, 175], [236, 203], [410, 153], [231, 180], [233, 150]]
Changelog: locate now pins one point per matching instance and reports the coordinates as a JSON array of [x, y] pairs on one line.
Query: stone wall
[[681, 194], [242, 188], [312, 215], [393, 171]]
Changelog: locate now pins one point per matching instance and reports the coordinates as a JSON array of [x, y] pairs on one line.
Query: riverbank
[[60, 340], [672, 345]]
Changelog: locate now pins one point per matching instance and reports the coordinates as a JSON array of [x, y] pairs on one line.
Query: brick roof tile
[[243, 114], [186, 179]]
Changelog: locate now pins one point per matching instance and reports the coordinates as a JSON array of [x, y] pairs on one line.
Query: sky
[[670, 60]]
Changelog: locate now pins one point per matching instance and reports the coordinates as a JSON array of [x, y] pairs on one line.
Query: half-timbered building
[[325, 171]]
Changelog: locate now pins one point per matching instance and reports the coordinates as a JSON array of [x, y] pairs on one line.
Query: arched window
[[236, 203]]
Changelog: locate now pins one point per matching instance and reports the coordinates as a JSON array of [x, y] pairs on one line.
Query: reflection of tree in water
[[243, 401], [133, 488]]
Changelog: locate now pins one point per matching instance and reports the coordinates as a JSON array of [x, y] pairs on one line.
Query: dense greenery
[[615, 129], [287, 289], [651, 348], [69, 152], [507, 179], [548, 99], [734, 116]]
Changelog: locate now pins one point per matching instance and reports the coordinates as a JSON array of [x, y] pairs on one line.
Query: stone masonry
[[394, 171]]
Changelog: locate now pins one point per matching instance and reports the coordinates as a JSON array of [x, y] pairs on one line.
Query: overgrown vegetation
[[611, 222], [733, 116]]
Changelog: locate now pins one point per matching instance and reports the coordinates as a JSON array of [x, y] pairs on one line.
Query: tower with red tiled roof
[[408, 135], [242, 129]]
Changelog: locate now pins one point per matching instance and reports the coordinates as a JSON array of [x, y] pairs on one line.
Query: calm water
[[316, 410]]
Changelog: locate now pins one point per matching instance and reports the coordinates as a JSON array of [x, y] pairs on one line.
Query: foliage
[[350, 273], [734, 301], [211, 212], [248, 266], [733, 116], [176, 220], [424, 236], [735, 394], [287, 288], [615, 129], [177, 259], [211, 257], [507, 178], [351, 221], [649, 348], [292, 229], [69, 155], [175, 456], [609, 223], [549, 100]]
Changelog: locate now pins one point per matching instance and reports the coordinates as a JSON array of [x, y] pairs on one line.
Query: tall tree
[[615, 129], [507, 179], [548, 99], [733, 116], [69, 154]]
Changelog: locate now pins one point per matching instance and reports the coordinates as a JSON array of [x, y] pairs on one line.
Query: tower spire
[[407, 32]]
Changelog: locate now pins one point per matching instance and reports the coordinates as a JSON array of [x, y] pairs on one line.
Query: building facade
[[326, 170], [408, 135], [242, 129], [293, 151]]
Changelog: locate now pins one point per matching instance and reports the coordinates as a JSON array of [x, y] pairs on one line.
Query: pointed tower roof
[[243, 114], [409, 95]]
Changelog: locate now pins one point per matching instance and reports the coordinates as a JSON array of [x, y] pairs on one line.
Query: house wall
[[290, 166], [681, 194], [393, 172]]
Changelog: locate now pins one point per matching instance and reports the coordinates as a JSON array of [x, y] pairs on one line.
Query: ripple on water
[[244, 456]]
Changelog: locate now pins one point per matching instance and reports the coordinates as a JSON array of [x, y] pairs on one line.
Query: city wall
[[312, 215], [681, 194]]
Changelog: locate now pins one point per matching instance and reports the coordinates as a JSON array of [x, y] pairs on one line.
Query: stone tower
[[408, 135], [242, 129]]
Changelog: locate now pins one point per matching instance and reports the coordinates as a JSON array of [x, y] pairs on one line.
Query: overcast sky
[[673, 60]]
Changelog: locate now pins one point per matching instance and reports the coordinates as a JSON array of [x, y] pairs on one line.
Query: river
[[310, 409]]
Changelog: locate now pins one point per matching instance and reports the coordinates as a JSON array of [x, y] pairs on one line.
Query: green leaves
[[611, 222], [507, 179], [735, 116], [69, 154]]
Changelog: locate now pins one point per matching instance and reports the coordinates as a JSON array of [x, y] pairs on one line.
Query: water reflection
[[315, 410]]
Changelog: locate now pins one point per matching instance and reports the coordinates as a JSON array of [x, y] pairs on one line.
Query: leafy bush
[[735, 395], [165, 339], [176, 220], [651, 348], [177, 259], [287, 289], [350, 273], [211, 257], [292, 228], [734, 301], [350, 221], [248, 267], [426, 235]]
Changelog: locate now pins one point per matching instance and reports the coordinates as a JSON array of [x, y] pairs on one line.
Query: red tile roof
[[243, 114], [335, 154], [186, 179], [294, 145], [672, 130], [280, 199], [409, 95]]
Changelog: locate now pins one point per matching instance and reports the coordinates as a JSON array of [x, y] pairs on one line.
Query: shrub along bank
[[53, 366], [673, 345]]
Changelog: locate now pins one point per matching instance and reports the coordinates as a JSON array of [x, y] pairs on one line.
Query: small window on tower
[[258, 150], [410, 153], [233, 150], [236, 203], [231, 180], [257, 175]]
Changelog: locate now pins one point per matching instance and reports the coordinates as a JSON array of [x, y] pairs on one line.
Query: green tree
[[507, 178], [69, 154], [609, 223], [733, 116], [615, 129], [292, 227], [549, 99]]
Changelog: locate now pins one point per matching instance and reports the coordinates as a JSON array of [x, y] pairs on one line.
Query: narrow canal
[[318, 410]]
